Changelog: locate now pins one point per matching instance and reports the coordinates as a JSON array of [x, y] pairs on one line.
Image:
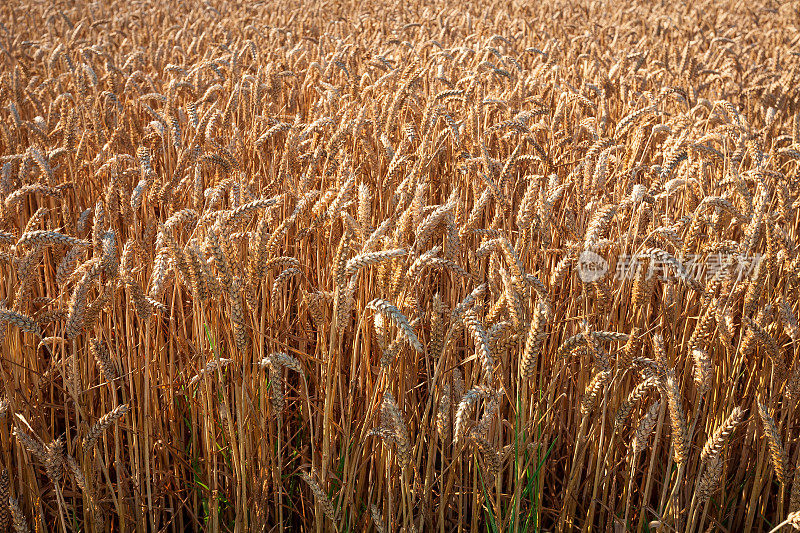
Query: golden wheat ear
[[778, 455], [320, 496], [19, 523]]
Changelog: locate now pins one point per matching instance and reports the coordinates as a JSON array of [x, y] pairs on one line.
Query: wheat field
[[341, 267]]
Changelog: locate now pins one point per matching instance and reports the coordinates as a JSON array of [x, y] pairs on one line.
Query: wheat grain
[[106, 421], [777, 451], [320, 496], [18, 518], [399, 319], [5, 513], [645, 427], [717, 442]]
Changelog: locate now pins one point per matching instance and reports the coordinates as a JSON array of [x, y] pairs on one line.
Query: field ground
[[351, 266]]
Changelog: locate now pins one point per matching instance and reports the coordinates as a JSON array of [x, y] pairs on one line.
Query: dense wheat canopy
[[342, 266]]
